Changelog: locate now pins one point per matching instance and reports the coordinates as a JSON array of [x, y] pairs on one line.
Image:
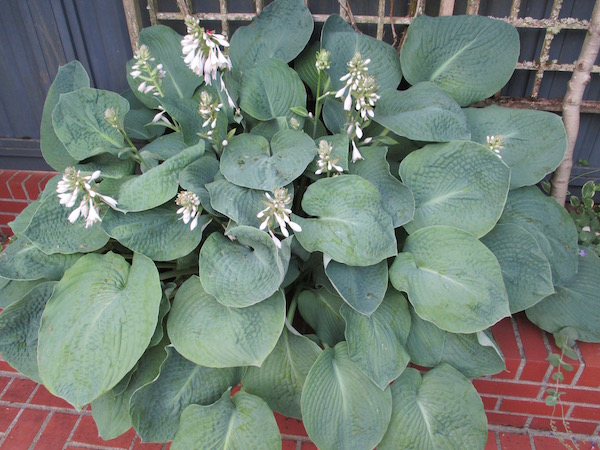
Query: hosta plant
[[277, 215]]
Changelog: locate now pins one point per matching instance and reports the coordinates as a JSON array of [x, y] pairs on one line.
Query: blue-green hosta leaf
[[334, 116], [304, 65], [51, 231], [165, 146], [22, 260], [250, 161], [154, 187], [109, 165], [341, 407], [321, 310], [423, 112], [529, 153], [70, 77], [79, 122], [398, 200], [525, 269], [361, 287], [574, 304], [451, 279], [245, 271], [241, 421], [472, 354], [440, 410], [157, 406], [157, 233], [165, 47], [197, 175], [352, 226], [97, 325], [377, 344], [282, 30], [137, 124], [213, 335], [343, 42], [280, 379], [469, 57], [19, 324], [111, 410], [13, 290], [460, 184], [550, 225], [270, 90], [238, 203]]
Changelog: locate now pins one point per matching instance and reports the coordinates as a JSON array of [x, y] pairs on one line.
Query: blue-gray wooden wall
[[37, 36]]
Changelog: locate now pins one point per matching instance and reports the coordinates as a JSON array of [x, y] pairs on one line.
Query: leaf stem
[[178, 273], [317, 106]]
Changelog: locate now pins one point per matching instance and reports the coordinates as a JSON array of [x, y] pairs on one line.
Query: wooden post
[[134, 21], [572, 103]]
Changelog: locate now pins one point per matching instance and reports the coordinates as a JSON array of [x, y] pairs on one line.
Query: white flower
[[68, 189], [151, 76], [323, 61], [190, 208], [209, 109], [355, 153], [277, 213], [202, 51], [326, 162], [495, 143], [161, 116]]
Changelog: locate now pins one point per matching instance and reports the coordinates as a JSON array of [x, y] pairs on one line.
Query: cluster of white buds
[[277, 213], [111, 115], [323, 61], [360, 92], [72, 184], [209, 110], [151, 76], [495, 143], [202, 50], [326, 162], [190, 208]]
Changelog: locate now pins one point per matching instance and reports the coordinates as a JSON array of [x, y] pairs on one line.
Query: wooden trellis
[[571, 105]]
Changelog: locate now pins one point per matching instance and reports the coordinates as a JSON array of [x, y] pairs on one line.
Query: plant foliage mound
[[276, 214]]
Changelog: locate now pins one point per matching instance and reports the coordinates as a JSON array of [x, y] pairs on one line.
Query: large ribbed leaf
[[13, 290], [423, 112], [440, 410], [70, 77], [22, 260], [238, 203], [197, 175], [352, 226], [531, 155], [361, 287], [281, 31], [154, 187], [270, 90], [97, 325], [321, 310], [19, 324], [377, 344], [550, 225], [280, 379], [451, 279], [398, 200], [158, 233], [242, 422], [341, 407], [575, 304], [460, 184], [244, 271], [111, 410], [51, 231], [79, 122], [525, 269], [474, 355], [156, 407], [250, 161], [165, 47], [343, 42], [470, 57], [213, 335]]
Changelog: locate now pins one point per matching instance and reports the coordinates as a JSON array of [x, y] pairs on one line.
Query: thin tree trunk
[[572, 103]]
